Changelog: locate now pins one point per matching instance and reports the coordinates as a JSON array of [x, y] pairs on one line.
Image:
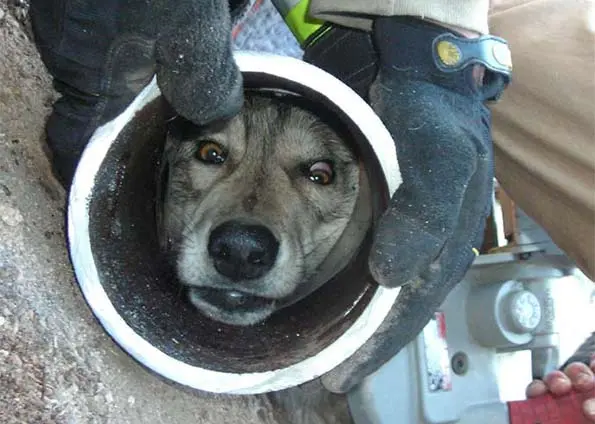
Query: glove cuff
[[346, 53], [421, 50]]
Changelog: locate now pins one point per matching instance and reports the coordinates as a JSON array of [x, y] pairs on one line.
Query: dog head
[[252, 207]]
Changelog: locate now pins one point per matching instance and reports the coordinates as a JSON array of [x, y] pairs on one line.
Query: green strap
[[300, 23]]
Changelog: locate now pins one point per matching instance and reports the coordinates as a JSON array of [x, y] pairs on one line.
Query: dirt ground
[[57, 365]]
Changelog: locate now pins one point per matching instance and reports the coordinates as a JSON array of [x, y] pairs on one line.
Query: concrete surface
[[56, 363]]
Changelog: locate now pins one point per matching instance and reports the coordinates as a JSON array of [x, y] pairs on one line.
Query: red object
[[548, 409], [441, 325], [238, 28]]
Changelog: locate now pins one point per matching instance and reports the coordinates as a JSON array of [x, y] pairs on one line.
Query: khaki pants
[[544, 125]]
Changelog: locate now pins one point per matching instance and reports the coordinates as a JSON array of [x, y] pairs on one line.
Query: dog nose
[[242, 252]]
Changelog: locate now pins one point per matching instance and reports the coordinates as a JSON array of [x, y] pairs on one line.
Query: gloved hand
[[101, 55], [195, 68], [431, 98]]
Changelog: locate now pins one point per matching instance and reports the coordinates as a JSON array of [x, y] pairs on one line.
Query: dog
[[252, 207]]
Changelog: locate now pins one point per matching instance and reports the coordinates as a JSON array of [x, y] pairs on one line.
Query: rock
[[10, 216]]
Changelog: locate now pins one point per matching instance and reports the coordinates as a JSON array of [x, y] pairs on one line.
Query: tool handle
[[548, 409]]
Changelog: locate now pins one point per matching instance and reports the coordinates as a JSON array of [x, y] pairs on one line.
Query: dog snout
[[242, 252]]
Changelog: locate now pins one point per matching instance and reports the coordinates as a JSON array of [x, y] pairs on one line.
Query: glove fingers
[[437, 146], [418, 300], [196, 71], [401, 248]]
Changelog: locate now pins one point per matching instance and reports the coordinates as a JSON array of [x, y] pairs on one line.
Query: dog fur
[[265, 180]]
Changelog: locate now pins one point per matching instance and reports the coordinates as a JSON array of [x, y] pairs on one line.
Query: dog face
[[251, 208]]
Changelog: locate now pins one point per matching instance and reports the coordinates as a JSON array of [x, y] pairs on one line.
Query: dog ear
[[344, 260], [355, 233]]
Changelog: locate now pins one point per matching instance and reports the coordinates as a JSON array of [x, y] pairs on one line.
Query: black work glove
[[427, 239], [585, 353], [101, 55]]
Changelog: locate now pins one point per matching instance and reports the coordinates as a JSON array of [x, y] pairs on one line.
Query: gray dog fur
[[270, 149]]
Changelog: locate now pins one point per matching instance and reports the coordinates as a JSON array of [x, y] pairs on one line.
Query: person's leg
[[544, 127]]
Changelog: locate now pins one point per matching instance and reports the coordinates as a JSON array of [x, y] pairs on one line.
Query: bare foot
[[576, 376]]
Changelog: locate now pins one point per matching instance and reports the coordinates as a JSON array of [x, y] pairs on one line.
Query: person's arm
[[469, 15]]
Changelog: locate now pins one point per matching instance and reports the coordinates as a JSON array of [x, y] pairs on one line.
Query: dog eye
[[321, 173], [210, 152]]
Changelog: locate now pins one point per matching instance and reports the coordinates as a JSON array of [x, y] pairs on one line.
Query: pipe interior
[[144, 290]]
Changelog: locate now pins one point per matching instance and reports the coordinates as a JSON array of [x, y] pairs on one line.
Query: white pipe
[[344, 346]]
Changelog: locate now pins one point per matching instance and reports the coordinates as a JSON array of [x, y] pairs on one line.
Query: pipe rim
[[140, 349]]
